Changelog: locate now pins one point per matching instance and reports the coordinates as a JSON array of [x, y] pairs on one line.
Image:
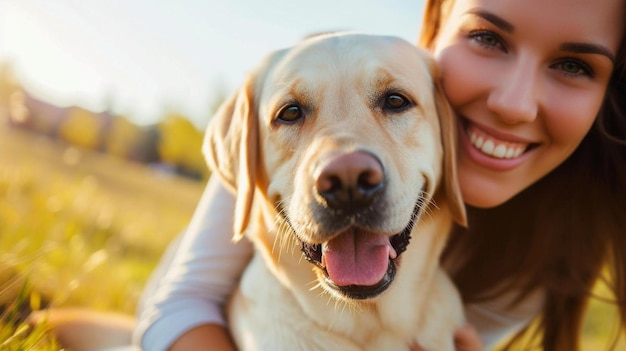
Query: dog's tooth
[[393, 254]]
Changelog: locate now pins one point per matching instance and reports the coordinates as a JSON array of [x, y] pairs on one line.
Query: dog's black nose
[[350, 181]]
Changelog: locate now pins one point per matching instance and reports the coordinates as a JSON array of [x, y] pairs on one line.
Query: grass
[[16, 335], [78, 229], [82, 229]]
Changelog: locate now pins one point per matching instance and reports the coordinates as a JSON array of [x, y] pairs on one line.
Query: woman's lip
[[506, 137], [485, 161]]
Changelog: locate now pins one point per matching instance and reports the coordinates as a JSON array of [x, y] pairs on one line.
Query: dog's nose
[[350, 181]]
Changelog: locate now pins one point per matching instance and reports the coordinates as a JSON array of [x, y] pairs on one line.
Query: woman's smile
[[491, 149]]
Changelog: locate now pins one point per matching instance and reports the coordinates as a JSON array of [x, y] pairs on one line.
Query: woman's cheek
[[570, 114], [463, 76]]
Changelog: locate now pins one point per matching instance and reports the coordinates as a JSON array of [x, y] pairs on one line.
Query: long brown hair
[[561, 234]]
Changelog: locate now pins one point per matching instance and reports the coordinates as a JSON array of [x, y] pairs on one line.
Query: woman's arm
[[200, 337], [186, 293]]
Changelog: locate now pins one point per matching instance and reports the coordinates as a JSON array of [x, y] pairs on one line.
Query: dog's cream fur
[[340, 83]]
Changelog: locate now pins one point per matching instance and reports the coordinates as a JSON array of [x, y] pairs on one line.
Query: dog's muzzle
[[357, 261], [314, 253]]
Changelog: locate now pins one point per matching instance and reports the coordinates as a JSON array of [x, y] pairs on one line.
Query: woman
[[540, 91]]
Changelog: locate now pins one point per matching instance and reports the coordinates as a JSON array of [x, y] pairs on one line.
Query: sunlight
[[141, 58], [55, 70]]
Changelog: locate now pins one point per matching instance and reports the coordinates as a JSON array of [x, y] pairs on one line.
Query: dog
[[341, 153]]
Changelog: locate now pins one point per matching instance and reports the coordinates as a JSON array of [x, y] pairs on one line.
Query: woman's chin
[[481, 192]]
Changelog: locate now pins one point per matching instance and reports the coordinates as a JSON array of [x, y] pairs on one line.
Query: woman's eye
[[573, 68], [487, 40], [290, 114], [396, 102]]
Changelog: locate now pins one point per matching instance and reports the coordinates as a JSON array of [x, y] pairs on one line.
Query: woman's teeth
[[493, 147]]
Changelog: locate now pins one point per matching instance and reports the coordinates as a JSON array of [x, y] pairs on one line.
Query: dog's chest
[[291, 314], [280, 306]]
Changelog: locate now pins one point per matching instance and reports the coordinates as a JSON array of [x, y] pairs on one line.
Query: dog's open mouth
[[357, 263]]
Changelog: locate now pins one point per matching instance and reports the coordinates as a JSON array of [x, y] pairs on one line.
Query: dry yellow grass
[[79, 228]]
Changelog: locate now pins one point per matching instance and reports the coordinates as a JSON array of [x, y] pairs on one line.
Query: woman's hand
[[466, 338]]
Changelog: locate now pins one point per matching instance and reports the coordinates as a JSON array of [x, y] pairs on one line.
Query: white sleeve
[[196, 274], [495, 320]]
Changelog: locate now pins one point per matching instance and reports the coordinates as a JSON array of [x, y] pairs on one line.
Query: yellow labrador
[[341, 153]]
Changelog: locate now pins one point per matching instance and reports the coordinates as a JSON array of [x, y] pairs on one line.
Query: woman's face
[[526, 79]]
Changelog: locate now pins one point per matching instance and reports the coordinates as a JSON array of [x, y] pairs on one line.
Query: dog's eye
[[396, 102], [290, 114]]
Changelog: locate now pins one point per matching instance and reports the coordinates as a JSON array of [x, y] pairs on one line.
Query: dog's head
[[349, 139]]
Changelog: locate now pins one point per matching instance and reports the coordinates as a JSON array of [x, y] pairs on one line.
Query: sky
[[142, 58]]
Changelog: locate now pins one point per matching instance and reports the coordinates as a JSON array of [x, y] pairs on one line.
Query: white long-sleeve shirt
[[201, 268]]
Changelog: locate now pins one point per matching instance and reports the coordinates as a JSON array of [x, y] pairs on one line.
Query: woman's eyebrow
[[580, 48], [586, 48], [494, 19]]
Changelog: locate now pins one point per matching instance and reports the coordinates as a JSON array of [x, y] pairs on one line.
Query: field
[[79, 228]]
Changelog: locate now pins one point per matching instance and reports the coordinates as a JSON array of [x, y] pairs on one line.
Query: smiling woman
[[546, 84]]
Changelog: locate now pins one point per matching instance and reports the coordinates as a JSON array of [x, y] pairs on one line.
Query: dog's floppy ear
[[448, 138], [230, 147]]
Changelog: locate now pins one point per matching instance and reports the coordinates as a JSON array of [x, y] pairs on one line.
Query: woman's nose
[[514, 95]]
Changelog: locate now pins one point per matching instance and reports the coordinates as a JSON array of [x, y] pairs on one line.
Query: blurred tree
[[8, 87], [81, 128], [15, 110], [180, 145], [8, 84], [122, 138], [147, 148]]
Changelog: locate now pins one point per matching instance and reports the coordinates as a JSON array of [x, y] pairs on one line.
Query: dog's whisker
[[277, 244], [283, 239], [347, 307], [314, 284], [429, 207]]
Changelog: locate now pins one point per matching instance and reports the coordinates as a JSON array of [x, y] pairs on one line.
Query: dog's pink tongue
[[357, 258]]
